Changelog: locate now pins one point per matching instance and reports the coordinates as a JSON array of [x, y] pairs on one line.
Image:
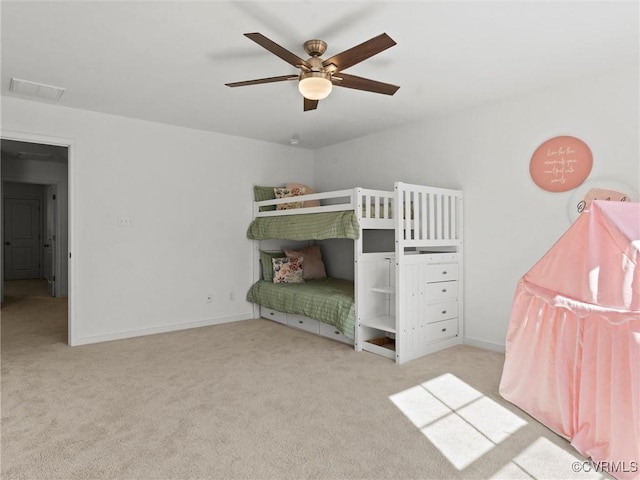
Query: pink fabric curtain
[[573, 342]]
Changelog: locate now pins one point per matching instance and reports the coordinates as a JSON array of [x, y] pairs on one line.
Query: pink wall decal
[[561, 164]]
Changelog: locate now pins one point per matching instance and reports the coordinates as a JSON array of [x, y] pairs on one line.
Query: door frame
[[50, 210], [71, 217]]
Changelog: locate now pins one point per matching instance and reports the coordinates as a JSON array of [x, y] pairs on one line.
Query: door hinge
[[54, 197], [69, 254], [54, 278]]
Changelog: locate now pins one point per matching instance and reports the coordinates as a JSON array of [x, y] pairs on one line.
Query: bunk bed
[[402, 303]]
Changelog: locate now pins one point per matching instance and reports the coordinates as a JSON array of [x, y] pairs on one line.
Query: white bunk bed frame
[[408, 302]]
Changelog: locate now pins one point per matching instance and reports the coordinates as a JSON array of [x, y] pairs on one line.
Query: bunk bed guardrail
[[423, 214], [336, 201], [367, 203], [428, 215]]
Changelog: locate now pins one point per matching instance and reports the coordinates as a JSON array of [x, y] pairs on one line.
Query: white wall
[[509, 222], [189, 193], [187, 242]]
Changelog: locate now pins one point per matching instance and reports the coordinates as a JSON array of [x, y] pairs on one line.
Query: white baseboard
[[494, 347], [154, 330]]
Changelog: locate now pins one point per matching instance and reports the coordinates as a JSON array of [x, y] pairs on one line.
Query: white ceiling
[[168, 61]]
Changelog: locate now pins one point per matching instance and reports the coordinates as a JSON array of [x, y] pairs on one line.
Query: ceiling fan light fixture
[[316, 79], [315, 85]]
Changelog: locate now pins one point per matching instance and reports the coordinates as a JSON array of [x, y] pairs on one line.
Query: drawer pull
[[271, 313], [444, 311], [444, 290], [300, 321], [444, 329], [444, 272], [337, 332]]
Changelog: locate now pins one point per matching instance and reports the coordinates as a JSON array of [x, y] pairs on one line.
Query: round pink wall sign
[[561, 164]]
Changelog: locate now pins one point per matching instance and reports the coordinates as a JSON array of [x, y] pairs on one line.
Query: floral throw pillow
[[289, 192], [287, 270], [307, 190]]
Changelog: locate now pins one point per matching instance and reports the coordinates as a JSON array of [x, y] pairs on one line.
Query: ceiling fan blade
[[310, 104], [361, 52], [281, 78], [359, 83], [276, 49]]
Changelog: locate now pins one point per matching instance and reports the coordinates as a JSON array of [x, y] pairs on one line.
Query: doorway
[[36, 224]]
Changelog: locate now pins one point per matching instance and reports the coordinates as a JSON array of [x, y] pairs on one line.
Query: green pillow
[[261, 193], [267, 265]]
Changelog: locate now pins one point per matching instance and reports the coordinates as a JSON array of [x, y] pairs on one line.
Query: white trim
[[35, 138], [71, 214], [494, 347], [124, 334]]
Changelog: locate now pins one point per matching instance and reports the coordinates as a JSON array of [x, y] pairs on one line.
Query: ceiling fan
[[317, 76]]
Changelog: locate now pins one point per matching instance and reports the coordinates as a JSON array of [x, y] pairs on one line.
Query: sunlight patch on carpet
[[542, 458], [460, 421]]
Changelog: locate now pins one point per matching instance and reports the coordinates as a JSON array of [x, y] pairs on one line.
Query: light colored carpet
[[252, 399]]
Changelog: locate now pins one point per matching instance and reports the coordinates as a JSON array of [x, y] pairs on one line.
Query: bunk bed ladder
[[428, 226]]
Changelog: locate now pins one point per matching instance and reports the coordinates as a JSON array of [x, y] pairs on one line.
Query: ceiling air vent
[[33, 89]]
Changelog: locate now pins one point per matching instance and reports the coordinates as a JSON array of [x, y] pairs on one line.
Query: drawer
[[274, 315], [441, 330], [437, 292], [442, 272], [303, 323], [441, 311], [330, 331]]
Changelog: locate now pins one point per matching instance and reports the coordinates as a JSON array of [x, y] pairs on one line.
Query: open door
[[50, 239]]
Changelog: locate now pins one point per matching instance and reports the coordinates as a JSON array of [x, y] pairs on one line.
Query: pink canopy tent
[[573, 342]]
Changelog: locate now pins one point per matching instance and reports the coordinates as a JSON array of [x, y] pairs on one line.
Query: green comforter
[[310, 226], [329, 300]]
